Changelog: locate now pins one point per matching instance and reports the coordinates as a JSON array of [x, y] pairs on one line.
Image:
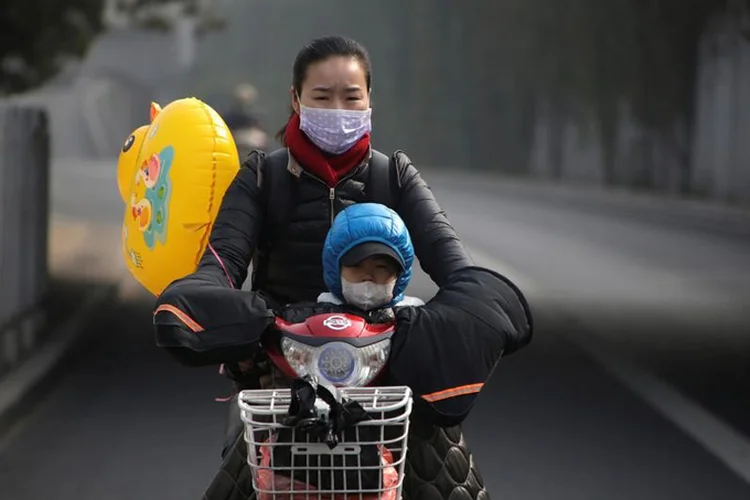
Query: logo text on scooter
[[337, 323]]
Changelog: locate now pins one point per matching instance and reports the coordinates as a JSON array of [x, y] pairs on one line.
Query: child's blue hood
[[360, 223]]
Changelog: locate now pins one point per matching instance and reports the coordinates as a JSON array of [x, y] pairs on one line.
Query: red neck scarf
[[329, 168]]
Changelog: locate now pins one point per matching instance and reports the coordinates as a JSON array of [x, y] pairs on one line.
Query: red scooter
[[337, 432]]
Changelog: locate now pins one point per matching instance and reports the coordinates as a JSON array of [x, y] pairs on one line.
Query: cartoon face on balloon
[[141, 213], [149, 207], [172, 174], [149, 172]]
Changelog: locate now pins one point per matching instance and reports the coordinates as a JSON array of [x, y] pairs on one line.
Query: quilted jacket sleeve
[[438, 248], [204, 324], [447, 349], [235, 232], [204, 318]]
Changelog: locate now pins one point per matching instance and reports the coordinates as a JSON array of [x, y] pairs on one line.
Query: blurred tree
[[161, 14], [591, 63], [423, 80], [40, 36], [583, 61]]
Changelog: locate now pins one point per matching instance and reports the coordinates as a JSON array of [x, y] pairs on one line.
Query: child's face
[[379, 269]]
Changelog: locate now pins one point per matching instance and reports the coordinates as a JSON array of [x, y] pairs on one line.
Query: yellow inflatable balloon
[[172, 175]]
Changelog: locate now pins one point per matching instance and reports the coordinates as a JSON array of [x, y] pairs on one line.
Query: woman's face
[[338, 82]]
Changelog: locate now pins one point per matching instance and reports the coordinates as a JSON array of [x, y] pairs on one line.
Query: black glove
[[379, 316], [299, 312], [247, 373]]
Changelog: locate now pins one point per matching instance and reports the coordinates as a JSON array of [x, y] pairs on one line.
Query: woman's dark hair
[[319, 50]]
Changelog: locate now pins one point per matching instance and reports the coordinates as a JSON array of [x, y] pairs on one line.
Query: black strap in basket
[[303, 415], [304, 420]]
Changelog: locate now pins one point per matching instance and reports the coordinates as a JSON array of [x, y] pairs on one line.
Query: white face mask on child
[[367, 295]]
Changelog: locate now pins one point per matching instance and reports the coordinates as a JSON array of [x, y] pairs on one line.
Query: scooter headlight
[[338, 363]]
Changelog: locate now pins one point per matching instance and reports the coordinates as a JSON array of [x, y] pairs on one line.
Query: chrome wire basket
[[366, 464]]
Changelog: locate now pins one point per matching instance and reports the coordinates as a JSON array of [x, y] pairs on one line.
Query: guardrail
[[24, 222]]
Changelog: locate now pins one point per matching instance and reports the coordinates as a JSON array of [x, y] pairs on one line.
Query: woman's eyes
[[326, 98]]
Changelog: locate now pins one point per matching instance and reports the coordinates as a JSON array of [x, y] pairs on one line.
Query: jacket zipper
[[331, 198], [332, 190]]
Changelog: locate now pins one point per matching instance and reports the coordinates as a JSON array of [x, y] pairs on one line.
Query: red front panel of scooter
[[334, 326]]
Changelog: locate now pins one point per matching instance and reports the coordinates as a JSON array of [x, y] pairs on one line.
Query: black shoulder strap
[[382, 180], [274, 181]]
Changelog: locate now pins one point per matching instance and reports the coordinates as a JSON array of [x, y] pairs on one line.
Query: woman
[[278, 211], [279, 207]]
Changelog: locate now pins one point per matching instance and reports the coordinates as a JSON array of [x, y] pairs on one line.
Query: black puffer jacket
[[287, 265], [284, 235], [476, 316]]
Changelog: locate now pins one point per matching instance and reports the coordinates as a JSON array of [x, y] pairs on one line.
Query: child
[[367, 259]]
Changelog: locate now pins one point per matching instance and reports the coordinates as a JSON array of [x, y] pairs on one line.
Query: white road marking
[[710, 431]]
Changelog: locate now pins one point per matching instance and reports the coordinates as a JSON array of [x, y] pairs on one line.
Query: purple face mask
[[335, 131]]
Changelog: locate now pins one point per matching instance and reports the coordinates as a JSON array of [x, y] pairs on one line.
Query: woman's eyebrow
[[328, 88]]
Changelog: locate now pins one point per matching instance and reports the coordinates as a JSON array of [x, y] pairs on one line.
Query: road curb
[[18, 389]]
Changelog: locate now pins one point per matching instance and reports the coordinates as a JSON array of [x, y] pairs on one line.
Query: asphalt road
[[635, 386]]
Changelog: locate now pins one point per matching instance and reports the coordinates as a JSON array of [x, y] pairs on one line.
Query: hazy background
[[595, 151]]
